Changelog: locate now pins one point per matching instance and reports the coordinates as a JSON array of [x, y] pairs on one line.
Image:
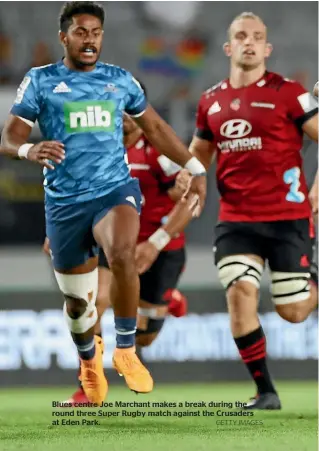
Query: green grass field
[[26, 421]]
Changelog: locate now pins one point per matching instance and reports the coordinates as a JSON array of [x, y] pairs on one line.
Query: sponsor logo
[[263, 105], [215, 108], [61, 87], [22, 89], [131, 199], [236, 130], [235, 104], [110, 87], [82, 117]]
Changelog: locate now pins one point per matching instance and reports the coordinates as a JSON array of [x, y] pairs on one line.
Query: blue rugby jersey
[[84, 111]]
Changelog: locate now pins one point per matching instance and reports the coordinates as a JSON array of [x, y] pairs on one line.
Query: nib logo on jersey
[[90, 116], [236, 130]]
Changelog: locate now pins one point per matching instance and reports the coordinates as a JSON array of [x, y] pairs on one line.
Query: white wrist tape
[[24, 149], [195, 167], [160, 239]]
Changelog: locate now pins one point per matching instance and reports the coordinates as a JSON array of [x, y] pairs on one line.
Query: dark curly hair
[[71, 9]]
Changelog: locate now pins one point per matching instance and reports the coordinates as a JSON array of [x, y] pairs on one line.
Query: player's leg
[[116, 229], [102, 303], [158, 295], [75, 268], [294, 276], [239, 258]]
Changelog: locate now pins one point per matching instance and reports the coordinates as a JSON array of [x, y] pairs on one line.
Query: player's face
[[129, 126], [83, 40], [248, 47]]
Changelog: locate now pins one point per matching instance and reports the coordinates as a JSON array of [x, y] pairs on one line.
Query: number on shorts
[[291, 177]]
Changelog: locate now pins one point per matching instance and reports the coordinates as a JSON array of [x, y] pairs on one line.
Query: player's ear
[[62, 37], [268, 50], [226, 48]]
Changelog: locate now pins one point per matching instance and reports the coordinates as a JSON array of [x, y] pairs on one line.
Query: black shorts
[[163, 275], [286, 245]]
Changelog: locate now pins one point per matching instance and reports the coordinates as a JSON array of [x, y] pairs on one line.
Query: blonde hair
[[244, 15]]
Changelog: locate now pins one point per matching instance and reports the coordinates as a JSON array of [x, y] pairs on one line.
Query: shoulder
[[112, 70], [212, 93], [47, 70], [38, 74], [283, 84]]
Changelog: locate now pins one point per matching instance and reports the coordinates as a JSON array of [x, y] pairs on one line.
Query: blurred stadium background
[[175, 48]]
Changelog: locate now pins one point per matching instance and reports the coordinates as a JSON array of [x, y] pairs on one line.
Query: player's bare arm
[[14, 144], [164, 139], [203, 150], [315, 89], [178, 219]]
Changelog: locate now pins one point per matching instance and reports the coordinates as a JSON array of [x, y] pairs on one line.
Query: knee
[[148, 327], [293, 313], [241, 295], [75, 307], [242, 304], [121, 255], [291, 293]]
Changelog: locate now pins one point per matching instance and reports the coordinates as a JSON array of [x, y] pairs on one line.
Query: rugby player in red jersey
[[160, 253], [253, 122]]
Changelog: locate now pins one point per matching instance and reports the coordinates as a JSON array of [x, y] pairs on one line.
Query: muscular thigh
[[117, 221]]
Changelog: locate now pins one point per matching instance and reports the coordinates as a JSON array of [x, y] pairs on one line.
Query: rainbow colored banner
[[183, 60]]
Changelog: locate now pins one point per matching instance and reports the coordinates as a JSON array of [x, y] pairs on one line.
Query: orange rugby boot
[[127, 364], [92, 376]]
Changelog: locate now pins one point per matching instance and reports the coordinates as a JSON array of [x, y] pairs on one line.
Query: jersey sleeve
[[202, 128], [300, 103], [164, 169], [27, 104], [136, 102]]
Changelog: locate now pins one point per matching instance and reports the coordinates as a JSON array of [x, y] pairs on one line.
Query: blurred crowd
[[40, 55]]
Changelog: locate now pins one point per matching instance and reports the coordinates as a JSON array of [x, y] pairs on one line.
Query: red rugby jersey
[[257, 131], [156, 174]]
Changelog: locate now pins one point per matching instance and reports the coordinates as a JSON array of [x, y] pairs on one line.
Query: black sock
[[252, 348]]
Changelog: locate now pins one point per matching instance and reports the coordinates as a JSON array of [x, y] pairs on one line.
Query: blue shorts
[[70, 227]]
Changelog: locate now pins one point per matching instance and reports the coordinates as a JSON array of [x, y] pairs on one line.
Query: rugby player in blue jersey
[[90, 198]]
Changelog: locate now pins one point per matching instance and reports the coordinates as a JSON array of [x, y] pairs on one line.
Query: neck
[[240, 77], [81, 68], [132, 138]]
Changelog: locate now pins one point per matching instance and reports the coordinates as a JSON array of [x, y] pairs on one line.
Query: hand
[[182, 180], [197, 188], [145, 255], [46, 246], [47, 150]]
